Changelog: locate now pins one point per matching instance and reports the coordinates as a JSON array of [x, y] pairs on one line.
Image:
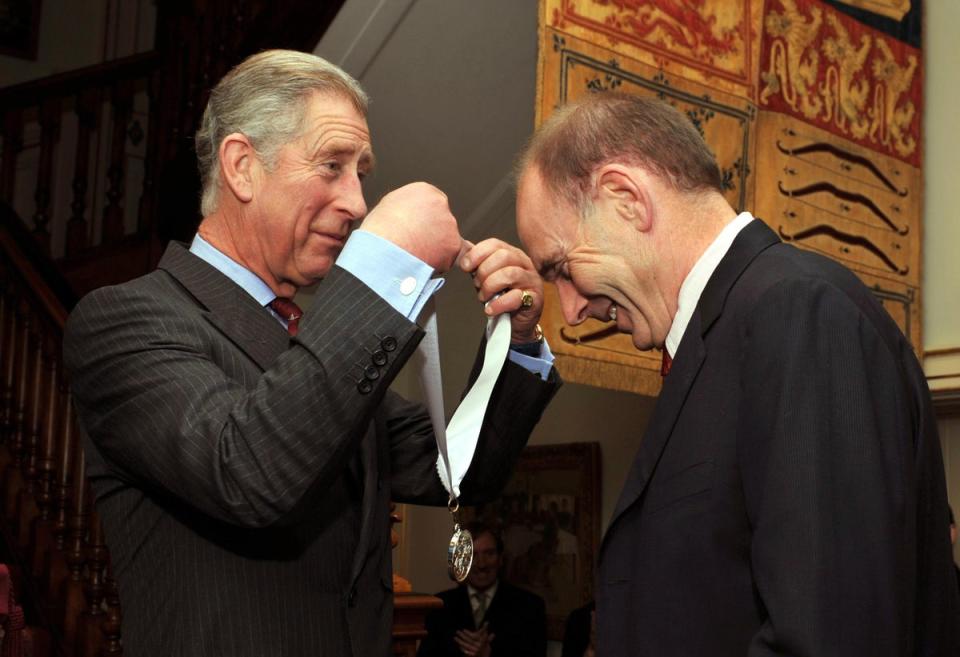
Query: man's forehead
[[538, 216], [332, 116]]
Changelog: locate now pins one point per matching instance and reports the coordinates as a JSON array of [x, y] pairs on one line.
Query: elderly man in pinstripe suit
[[244, 459]]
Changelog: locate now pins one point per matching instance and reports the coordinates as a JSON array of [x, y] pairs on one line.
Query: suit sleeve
[[516, 405], [827, 477], [153, 396]]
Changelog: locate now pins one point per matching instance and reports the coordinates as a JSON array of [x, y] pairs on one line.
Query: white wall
[[76, 34], [71, 35]]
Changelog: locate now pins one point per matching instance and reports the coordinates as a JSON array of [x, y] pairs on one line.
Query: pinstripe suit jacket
[[244, 477]]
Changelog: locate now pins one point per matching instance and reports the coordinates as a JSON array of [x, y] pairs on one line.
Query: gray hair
[[265, 98], [605, 127]]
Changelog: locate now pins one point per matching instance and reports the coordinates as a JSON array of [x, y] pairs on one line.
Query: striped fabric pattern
[[244, 476]]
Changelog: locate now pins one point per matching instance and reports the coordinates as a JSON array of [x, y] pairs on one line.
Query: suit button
[[352, 598], [371, 372], [389, 343], [379, 358], [364, 386]]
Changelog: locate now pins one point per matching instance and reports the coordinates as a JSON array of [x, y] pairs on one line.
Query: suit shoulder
[[126, 310], [450, 594], [522, 595], [150, 289]]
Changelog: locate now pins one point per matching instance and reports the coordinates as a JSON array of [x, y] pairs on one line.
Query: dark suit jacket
[[788, 496], [516, 617], [576, 633], [244, 477]]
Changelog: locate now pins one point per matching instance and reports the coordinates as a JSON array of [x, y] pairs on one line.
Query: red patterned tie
[[666, 363], [289, 311]]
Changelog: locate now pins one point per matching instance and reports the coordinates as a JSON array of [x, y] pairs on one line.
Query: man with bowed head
[[244, 452], [788, 494]]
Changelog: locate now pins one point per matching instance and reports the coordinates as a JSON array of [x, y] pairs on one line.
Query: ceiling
[[452, 88]]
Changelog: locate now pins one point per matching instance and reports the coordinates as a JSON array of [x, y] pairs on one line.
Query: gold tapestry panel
[[813, 116]]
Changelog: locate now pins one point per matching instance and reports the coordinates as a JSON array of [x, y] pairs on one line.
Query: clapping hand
[[474, 643]]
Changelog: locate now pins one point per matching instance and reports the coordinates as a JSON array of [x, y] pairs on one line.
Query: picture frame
[[20, 28], [549, 519]]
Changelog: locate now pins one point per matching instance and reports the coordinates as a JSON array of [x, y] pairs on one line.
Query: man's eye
[[333, 166]]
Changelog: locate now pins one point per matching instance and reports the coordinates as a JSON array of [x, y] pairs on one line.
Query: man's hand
[[417, 218], [474, 643], [500, 267]]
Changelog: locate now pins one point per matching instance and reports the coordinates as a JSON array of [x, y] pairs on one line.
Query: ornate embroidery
[[823, 67]]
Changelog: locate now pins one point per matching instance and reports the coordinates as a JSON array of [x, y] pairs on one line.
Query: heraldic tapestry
[[812, 108]]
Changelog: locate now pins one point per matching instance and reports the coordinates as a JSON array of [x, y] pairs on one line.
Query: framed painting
[[19, 28], [549, 518]]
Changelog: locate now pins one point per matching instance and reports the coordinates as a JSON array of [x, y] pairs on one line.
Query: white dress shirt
[[697, 279]]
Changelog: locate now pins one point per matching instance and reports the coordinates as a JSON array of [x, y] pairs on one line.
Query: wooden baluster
[[77, 523], [57, 571], [42, 542], [113, 228], [89, 638], [7, 356], [78, 231], [12, 477], [28, 511], [147, 210], [12, 143], [111, 626], [10, 361], [49, 135]]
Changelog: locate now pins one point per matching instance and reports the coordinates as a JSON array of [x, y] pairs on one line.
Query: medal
[[460, 550]]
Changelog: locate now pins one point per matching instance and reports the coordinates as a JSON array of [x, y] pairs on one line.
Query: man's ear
[[623, 189], [238, 160]]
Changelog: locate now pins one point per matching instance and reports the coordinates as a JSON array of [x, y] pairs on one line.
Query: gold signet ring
[[526, 299]]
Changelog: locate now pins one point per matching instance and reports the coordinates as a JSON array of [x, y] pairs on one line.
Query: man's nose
[[572, 303], [352, 200]]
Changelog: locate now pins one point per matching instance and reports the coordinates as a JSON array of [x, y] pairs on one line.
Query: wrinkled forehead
[[335, 116], [542, 220]]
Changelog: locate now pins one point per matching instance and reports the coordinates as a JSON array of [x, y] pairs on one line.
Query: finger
[[511, 278], [465, 247], [480, 252], [466, 644], [496, 261], [505, 257], [508, 302]]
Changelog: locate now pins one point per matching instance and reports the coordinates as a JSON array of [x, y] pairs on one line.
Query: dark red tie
[[666, 363], [289, 311]]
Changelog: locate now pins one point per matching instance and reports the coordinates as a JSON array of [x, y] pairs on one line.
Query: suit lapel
[[691, 353], [229, 308], [676, 386]]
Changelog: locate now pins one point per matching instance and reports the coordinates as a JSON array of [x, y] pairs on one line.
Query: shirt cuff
[[540, 366], [401, 279]]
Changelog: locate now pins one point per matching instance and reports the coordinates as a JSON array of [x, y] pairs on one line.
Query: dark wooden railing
[[54, 540], [57, 125]]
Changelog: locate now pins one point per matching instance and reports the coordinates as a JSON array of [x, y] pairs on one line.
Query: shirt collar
[[250, 282], [697, 279], [489, 593]]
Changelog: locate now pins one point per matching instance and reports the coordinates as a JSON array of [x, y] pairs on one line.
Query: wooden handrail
[[70, 83], [39, 274], [54, 307]]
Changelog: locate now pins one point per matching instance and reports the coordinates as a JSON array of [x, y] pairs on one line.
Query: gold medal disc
[[460, 554]]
